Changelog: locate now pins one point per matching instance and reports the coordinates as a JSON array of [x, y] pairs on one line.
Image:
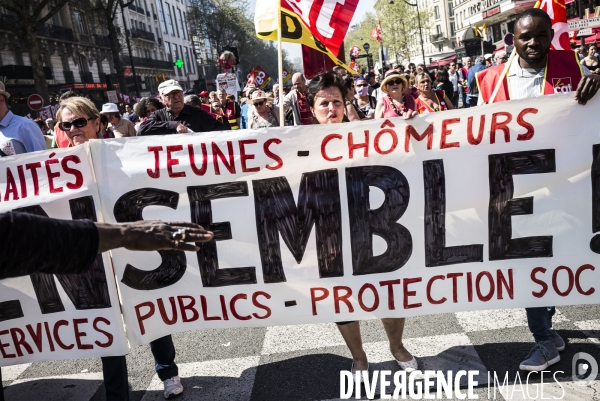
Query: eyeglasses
[[396, 81], [173, 94], [361, 85], [77, 123], [262, 102]]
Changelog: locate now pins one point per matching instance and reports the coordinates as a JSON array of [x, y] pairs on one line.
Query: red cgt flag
[[557, 10], [376, 34], [327, 20]]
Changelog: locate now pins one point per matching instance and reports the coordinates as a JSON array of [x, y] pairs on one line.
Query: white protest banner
[[488, 207], [47, 317]]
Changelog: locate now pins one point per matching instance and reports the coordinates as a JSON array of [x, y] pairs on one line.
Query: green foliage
[[225, 23], [399, 24], [360, 34]]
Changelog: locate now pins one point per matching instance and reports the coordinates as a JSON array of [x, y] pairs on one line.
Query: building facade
[[76, 52]]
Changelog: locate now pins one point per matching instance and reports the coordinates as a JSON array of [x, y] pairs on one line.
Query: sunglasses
[[77, 123], [259, 103], [396, 81], [361, 85]]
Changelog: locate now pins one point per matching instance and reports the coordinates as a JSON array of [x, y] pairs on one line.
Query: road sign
[[585, 32], [585, 23], [35, 102], [509, 39]]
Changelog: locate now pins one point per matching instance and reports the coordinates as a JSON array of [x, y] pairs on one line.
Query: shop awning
[[443, 61], [498, 49]]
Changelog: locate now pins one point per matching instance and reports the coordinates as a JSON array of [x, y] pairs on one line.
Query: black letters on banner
[[276, 212], [595, 242], [436, 252], [365, 222], [87, 290], [502, 206], [128, 208], [201, 209]]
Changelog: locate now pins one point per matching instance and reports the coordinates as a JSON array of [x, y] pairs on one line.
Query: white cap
[[488, 56], [109, 108], [169, 86]]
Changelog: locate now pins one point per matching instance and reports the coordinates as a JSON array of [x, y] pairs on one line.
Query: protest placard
[[66, 316], [489, 207]]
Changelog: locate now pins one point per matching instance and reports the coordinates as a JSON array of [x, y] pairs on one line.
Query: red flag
[[355, 66], [354, 52], [376, 34], [557, 10], [251, 77], [327, 20], [316, 62], [261, 78]]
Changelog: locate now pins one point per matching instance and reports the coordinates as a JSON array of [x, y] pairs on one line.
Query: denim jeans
[[114, 369], [454, 99], [163, 351], [465, 100], [540, 322]]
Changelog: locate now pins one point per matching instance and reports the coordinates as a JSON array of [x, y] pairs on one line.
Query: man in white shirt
[[456, 78], [17, 134]]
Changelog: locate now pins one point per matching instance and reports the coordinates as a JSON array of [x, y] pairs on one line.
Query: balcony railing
[[22, 72], [148, 63], [141, 34], [69, 77], [436, 37], [56, 32], [136, 9], [87, 77], [102, 40], [85, 38]]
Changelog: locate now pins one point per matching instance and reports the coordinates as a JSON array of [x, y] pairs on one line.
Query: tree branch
[[53, 10]]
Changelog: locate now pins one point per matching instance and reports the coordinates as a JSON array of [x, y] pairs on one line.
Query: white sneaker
[[173, 387]]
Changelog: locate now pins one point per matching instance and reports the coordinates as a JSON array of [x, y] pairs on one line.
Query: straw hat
[[391, 75]]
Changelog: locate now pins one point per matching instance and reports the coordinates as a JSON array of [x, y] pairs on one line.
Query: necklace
[[404, 109]]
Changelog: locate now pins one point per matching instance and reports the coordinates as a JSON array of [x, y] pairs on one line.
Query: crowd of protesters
[[330, 98]]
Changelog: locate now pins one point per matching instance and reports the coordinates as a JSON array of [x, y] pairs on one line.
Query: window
[[440, 48], [175, 21], [168, 50], [438, 29], [452, 29], [80, 22], [169, 19], [161, 15], [181, 24], [450, 10], [436, 12], [187, 59]]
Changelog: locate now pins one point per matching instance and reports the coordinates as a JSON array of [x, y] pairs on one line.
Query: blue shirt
[[244, 117], [474, 70], [20, 135]]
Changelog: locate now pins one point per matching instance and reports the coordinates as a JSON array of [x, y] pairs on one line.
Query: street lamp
[[420, 26]]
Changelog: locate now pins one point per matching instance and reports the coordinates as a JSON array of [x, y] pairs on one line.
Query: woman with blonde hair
[[79, 119], [429, 100]]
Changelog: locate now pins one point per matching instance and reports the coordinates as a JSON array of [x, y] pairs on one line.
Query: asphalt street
[[304, 362]]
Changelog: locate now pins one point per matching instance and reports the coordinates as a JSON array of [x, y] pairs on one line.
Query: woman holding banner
[[325, 96], [80, 120], [395, 103]]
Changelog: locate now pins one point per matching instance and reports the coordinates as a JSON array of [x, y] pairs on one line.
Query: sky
[[295, 51]]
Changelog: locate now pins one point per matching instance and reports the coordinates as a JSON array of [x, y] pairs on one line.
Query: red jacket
[[563, 73]]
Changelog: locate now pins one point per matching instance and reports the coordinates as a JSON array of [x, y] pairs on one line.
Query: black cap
[[370, 74], [189, 92]]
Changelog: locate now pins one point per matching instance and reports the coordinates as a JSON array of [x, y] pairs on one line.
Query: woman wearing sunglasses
[[325, 96], [261, 115], [395, 103], [79, 119]]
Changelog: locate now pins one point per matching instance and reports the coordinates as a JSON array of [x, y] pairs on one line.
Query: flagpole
[[280, 66]]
